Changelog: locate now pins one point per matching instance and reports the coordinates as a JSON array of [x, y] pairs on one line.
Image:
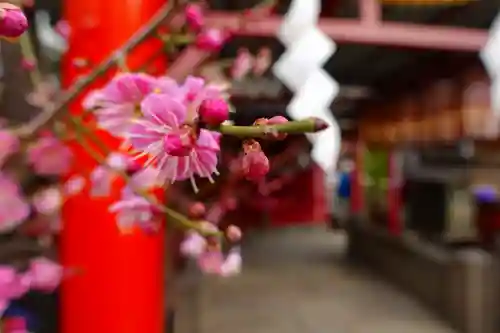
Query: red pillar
[[121, 285]]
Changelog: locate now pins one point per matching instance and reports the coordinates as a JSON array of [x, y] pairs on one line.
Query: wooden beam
[[355, 32], [189, 59]]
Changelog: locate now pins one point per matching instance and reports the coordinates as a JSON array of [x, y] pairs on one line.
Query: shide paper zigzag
[[300, 69]]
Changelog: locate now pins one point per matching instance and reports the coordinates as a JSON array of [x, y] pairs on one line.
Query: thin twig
[[51, 113]]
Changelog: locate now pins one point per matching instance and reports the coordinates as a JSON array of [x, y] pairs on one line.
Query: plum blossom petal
[[46, 275], [118, 102], [193, 245], [13, 208], [163, 117], [102, 176], [48, 201], [74, 185], [49, 157], [12, 286]]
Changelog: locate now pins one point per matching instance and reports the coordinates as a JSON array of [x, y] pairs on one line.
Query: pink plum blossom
[[74, 185], [164, 116], [193, 245], [117, 104], [45, 274], [12, 286], [9, 144], [63, 28], [49, 157], [232, 264], [103, 175], [134, 209], [13, 208], [48, 201]]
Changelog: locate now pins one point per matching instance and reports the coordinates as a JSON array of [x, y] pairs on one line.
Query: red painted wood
[[355, 32], [303, 201], [121, 285]]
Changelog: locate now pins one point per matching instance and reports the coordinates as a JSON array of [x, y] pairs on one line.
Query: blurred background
[[401, 237]]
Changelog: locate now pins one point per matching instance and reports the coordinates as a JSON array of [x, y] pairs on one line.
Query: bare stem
[[180, 220], [51, 113], [310, 125]]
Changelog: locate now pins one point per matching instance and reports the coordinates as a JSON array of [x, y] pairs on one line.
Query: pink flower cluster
[[160, 119], [207, 251], [43, 275]]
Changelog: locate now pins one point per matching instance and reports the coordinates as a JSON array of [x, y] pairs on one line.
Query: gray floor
[[297, 281]]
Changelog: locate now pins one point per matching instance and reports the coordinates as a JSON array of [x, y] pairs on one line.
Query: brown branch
[[51, 113]]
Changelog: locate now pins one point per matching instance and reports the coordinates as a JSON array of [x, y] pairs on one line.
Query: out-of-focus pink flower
[[133, 209], [102, 176], [194, 91], [13, 22], [214, 111], [74, 185], [43, 94], [164, 115], [49, 157], [13, 208], [193, 245], [233, 233], [194, 16], [28, 64], [63, 28], [210, 261], [211, 40], [12, 286], [242, 65], [117, 104], [197, 210], [254, 163], [45, 274], [232, 264], [262, 61], [9, 144], [47, 201]]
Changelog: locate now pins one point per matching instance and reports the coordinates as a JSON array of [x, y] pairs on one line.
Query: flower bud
[[210, 40], [194, 16], [197, 210], [13, 22], [233, 233], [214, 111], [255, 165], [276, 120]]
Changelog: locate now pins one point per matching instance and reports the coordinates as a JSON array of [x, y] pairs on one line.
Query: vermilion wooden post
[[120, 285]]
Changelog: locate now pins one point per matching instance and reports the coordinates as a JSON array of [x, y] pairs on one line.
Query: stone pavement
[[297, 281]]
